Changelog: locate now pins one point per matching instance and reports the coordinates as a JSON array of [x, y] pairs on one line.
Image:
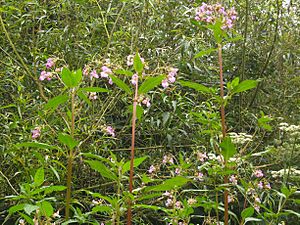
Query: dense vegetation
[[211, 95]]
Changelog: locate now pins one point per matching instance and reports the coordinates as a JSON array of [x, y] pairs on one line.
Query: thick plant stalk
[[223, 129], [70, 159], [129, 212]]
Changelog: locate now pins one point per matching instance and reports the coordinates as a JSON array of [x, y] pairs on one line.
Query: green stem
[[129, 213], [223, 129], [70, 158]]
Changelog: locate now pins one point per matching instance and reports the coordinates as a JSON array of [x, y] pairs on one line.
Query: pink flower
[[171, 79], [199, 176], [110, 81], [169, 202], [43, 75], [146, 101], [105, 69], [93, 96], [134, 79], [258, 173], [94, 74], [110, 130], [233, 179], [268, 186], [260, 185], [50, 63], [202, 156], [165, 83], [177, 171], [130, 60], [230, 199], [178, 204], [85, 71], [173, 72], [152, 169], [36, 132]]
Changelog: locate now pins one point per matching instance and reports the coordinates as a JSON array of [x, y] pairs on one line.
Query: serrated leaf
[[35, 145], [16, 208], [137, 162], [102, 208], [121, 84], [248, 212], [46, 209], [169, 184], [245, 85], [51, 189], [83, 97], [123, 72], [67, 140], [205, 52], [39, 177], [53, 103], [228, 148], [137, 63], [28, 208], [196, 86], [94, 89], [150, 83], [102, 169], [71, 79]]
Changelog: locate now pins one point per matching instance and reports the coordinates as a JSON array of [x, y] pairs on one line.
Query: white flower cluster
[[282, 172], [293, 130], [240, 138]]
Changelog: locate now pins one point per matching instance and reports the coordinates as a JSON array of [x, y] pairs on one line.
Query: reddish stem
[[129, 212], [223, 129]]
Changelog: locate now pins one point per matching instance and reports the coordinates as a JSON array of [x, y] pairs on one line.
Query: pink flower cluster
[[171, 78], [48, 75], [216, 12], [202, 156], [258, 173], [168, 159], [105, 72]]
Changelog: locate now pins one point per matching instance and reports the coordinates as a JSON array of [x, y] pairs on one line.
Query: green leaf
[[123, 72], [121, 84], [16, 208], [28, 208], [28, 219], [252, 219], [71, 79], [39, 177], [245, 85], [53, 103], [248, 212], [137, 162], [35, 145], [84, 97], [205, 52], [50, 189], [94, 89], [196, 86], [153, 207], [102, 169], [139, 111], [169, 184], [46, 209], [138, 64], [228, 148], [102, 208], [150, 83], [292, 212], [67, 140]]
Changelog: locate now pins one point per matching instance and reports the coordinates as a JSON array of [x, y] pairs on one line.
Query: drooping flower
[[56, 214], [94, 74], [134, 79], [93, 96], [165, 83], [258, 173], [260, 185], [105, 72], [45, 75], [110, 130], [36, 132], [169, 202], [50, 63], [191, 201], [146, 101], [152, 169], [178, 204], [110, 81], [233, 179], [177, 171], [85, 70], [202, 156]]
